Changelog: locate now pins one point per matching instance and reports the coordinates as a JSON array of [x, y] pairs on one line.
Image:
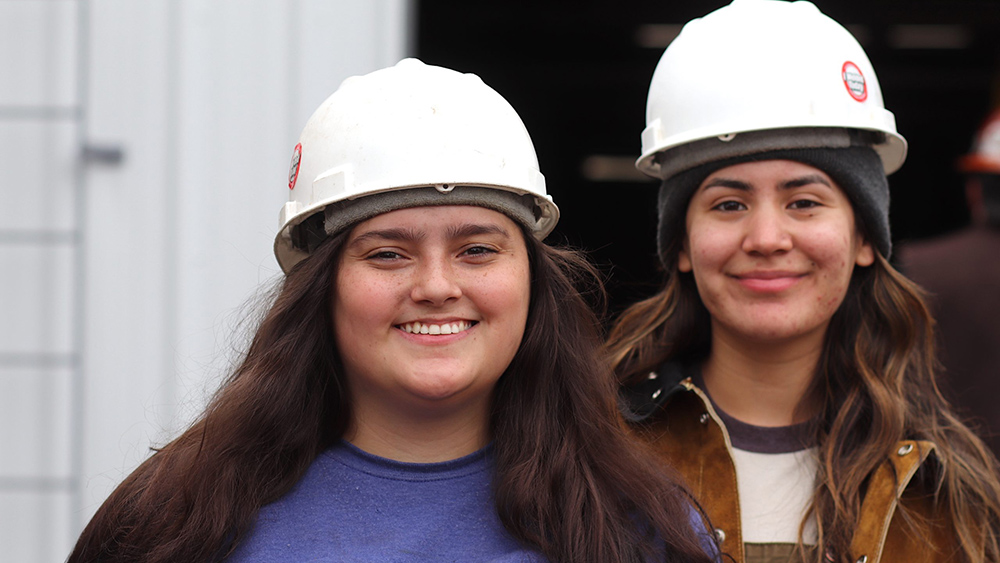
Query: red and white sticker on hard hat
[[293, 169], [854, 81]]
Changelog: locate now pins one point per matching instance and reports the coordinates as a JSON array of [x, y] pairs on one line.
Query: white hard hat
[[758, 65], [411, 126], [985, 155]]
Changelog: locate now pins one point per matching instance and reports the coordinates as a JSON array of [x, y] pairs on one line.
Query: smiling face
[[772, 246], [429, 308]]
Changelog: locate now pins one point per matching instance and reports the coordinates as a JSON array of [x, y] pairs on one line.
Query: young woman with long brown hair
[[425, 385], [785, 368]]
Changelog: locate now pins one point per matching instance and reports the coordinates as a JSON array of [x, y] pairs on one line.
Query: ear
[[866, 254], [684, 258]]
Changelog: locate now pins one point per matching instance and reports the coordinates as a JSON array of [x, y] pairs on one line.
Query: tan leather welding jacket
[[676, 417]]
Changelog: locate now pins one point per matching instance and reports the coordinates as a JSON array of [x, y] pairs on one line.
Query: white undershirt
[[775, 477], [775, 491]]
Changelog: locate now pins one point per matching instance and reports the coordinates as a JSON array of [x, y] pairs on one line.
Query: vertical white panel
[[34, 424], [128, 346], [35, 527], [231, 157], [36, 290], [37, 50], [38, 129], [36, 173]]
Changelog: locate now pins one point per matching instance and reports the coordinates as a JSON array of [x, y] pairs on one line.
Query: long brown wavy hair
[[876, 377], [569, 480]]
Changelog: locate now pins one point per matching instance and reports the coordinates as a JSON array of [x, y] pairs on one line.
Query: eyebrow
[[472, 229], [805, 181], [410, 235], [786, 185], [393, 234]]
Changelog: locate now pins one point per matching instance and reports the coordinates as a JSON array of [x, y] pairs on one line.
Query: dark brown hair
[[876, 377], [569, 481]]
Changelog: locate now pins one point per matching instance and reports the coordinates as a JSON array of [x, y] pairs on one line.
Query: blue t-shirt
[[354, 506]]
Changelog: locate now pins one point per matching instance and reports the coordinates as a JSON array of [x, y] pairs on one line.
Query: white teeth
[[446, 328]]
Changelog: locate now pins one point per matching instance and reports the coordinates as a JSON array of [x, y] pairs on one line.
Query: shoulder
[[895, 510], [894, 477], [707, 539]]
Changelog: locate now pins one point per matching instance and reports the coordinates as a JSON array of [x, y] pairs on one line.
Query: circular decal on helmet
[[854, 81], [293, 169]]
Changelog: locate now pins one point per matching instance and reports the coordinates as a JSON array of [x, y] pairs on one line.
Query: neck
[[418, 437], [763, 383]]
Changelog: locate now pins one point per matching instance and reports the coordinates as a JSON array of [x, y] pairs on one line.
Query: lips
[[453, 327], [768, 281]]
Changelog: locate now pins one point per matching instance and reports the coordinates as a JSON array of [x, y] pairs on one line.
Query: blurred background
[[144, 149]]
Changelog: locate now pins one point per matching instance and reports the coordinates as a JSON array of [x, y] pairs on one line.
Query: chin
[[781, 332], [438, 393], [443, 387]]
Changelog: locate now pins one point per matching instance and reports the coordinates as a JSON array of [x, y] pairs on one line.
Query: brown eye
[[730, 206], [384, 255], [804, 204], [479, 250]]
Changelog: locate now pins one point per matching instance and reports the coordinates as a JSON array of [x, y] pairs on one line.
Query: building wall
[[144, 149]]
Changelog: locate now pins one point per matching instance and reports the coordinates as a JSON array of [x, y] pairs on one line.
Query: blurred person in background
[[961, 271], [785, 368]]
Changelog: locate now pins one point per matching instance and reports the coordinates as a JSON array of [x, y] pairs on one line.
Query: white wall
[[121, 283]]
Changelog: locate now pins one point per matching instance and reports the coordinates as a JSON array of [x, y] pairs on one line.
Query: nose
[[435, 283], [767, 232]]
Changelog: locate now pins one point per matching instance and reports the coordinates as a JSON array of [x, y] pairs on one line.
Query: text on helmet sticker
[[293, 169], [854, 81]]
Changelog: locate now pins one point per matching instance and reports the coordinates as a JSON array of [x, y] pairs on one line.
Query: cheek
[[506, 299], [361, 301], [833, 249], [834, 253], [706, 253], [708, 248], [512, 294]]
